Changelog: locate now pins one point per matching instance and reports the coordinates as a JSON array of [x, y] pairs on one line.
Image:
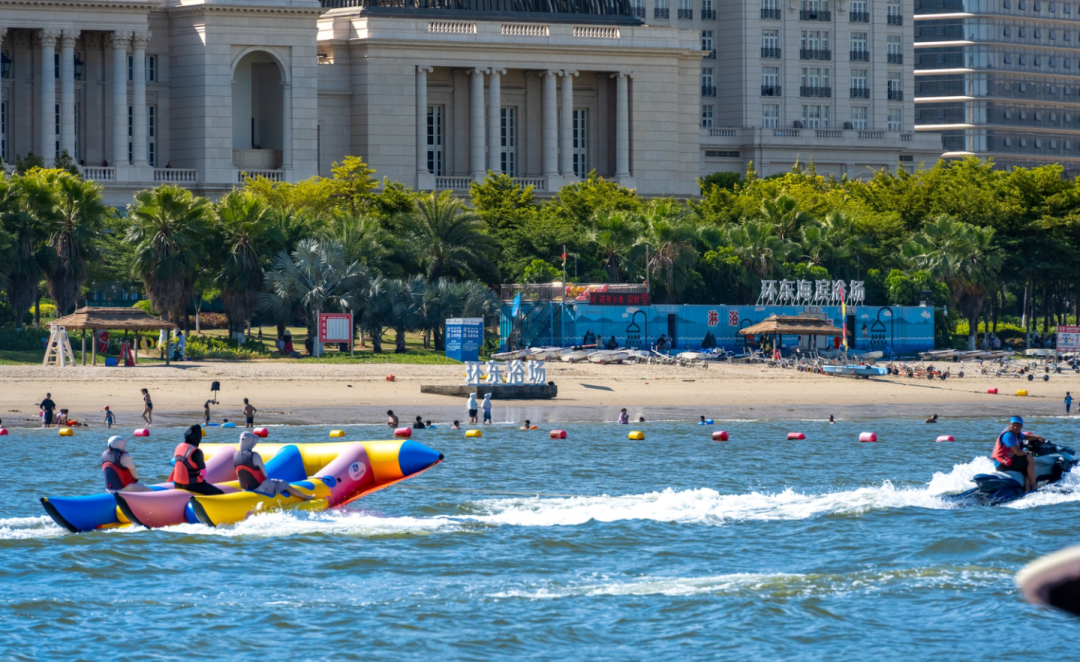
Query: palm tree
[[371, 309], [756, 244], [77, 220], [445, 237], [403, 307], [247, 235], [365, 241], [317, 277], [670, 240], [614, 234], [784, 214], [964, 257], [440, 300], [168, 228], [27, 210]]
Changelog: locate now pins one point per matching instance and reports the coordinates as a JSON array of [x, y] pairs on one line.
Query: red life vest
[[185, 471], [117, 476], [1003, 455], [249, 475]]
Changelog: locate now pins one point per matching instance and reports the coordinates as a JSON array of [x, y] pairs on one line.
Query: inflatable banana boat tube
[[334, 473]]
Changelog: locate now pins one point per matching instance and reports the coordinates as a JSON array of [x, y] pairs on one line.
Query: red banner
[[619, 299]]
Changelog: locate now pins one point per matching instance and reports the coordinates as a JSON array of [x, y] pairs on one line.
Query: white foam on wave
[[773, 585], [338, 523], [26, 528]]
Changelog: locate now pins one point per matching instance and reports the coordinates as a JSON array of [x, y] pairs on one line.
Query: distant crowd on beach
[[49, 416]]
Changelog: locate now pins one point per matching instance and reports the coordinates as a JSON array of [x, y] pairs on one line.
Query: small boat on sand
[[604, 356]]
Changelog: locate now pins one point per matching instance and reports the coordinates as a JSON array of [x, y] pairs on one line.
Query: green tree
[[445, 238], [28, 208], [755, 243], [614, 235], [669, 240]]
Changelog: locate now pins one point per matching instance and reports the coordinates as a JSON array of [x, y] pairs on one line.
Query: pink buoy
[[720, 435], [558, 434], [3, 432], [261, 432], [403, 432], [992, 390], [796, 436], [142, 432], [946, 437], [867, 436]]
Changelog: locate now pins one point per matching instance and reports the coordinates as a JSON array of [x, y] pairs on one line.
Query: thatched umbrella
[[793, 325], [126, 319]]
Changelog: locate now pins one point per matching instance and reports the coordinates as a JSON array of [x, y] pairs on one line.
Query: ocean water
[[592, 548]]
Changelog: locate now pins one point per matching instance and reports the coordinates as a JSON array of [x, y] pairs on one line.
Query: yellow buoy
[[67, 432], [1021, 393], [473, 433], [204, 432], [636, 435], [337, 434]]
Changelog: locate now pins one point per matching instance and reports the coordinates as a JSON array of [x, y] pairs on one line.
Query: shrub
[[212, 321], [27, 339], [146, 307], [212, 347], [1004, 331]]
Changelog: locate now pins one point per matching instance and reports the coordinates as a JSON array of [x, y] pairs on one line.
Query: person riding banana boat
[[251, 472], [119, 468]]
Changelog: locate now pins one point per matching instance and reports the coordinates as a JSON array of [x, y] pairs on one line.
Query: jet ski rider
[[1009, 454]]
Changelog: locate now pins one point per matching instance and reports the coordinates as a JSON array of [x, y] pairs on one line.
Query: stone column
[[139, 143], [622, 124], [551, 126], [421, 119], [478, 124], [286, 125], [48, 94], [566, 146], [120, 99], [495, 121], [67, 91]]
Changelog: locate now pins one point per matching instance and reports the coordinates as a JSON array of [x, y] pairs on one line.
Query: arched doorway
[[258, 111]]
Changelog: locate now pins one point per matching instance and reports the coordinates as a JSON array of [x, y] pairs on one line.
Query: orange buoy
[[946, 437], [3, 432], [720, 435], [390, 378], [992, 390], [403, 432], [796, 436], [867, 436], [261, 432], [558, 434]]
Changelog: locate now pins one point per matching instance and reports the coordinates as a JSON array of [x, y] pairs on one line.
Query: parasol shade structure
[[792, 325], [112, 319]]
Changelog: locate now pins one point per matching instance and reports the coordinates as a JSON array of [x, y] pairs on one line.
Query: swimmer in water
[[640, 419], [391, 419], [457, 425], [526, 426], [932, 419], [832, 421]]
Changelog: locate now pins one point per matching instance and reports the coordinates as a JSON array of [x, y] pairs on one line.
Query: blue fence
[[888, 328]]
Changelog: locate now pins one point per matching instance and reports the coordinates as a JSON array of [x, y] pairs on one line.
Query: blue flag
[[517, 305]]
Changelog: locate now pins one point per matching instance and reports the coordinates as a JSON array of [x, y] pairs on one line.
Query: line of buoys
[[1022, 393], [261, 432], [795, 436], [141, 432], [558, 434], [337, 434], [946, 437], [636, 435], [403, 432], [992, 390], [720, 435], [867, 436], [473, 433], [3, 432], [67, 432]]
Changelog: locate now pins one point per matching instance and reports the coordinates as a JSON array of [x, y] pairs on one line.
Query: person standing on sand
[[487, 408], [624, 418], [249, 414], [109, 417], [148, 408], [47, 406], [1068, 401], [473, 408]]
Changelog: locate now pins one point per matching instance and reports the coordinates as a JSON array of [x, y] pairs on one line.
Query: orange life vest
[[185, 471], [117, 476], [249, 475]]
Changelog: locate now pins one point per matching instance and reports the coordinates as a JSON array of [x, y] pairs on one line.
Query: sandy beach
[[338, 394]]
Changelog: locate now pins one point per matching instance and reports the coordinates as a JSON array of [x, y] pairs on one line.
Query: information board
[[1068, 338], [619, 299], [464, 335], [335, 327]]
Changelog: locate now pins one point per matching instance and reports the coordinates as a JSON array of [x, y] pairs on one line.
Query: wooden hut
[[779, 326], [112, 319]]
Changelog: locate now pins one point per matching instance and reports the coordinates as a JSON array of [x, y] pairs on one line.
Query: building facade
[[1001, 79], [434, 95]]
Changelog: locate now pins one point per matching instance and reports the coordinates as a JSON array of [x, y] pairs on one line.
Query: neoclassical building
[[431, 93]]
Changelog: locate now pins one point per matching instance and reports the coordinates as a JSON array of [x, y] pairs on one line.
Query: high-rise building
[[1001, 79]]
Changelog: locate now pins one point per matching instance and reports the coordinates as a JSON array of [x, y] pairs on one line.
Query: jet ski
[[1051, 463]]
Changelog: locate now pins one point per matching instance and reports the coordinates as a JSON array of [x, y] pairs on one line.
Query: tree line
[[983, 244]]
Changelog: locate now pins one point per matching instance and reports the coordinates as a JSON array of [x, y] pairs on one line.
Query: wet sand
[[293, 393]]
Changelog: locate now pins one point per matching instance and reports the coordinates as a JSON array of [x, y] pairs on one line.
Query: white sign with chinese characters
[[806, 293], [512, 373]]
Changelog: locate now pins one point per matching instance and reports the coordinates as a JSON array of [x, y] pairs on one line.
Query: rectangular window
[[859, 78], [706, 40], [894, 119], [56, 126], [131, 133], [706, 6], [151, 134], [580, 142], [770, 115], [770, 40], [56, 65], [859, 115], [770, 76], [815, 117], [707, 116], [77, 154], [895, 88], [435, 140], [151, 68], [859, 41], [893, 43], [508, 140], [814, 41], [131, 67]]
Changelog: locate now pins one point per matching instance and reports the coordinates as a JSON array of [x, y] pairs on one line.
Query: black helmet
[[193, 435]]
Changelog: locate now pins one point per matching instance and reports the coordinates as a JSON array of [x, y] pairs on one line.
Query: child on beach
[[109, 417], [624, 418], [148, 408], [487, 408], [62, 419], [249, 414], [1068, 401], [206, 413]]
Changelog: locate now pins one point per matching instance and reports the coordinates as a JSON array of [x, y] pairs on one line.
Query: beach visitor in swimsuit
[[487, 408], [148, 408], [109, 417], [249, 414], [472, 407], [624, 418], [457, 425], [418, 424], [47, 406], [391, 419], [251, 472], [526, 426], [206, 413]]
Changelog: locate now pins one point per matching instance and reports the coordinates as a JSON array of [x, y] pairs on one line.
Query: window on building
[[580, 142], [1022, 32], [894, 119], [859, 42], [508, 140], [707, 8], [707, 88], [706, 40], [56, 65], [78, 148], [435, 140], [131, 131], [894, 84], [1036, 33], [56, 126], [151, 68], [770, 8], [131, 67], [859, 11], [815, 78], [151, 135], [3, 131], [859, 115], [815, 117], [1006, 31], [707, 116], [814, 42], [770, 76], [893, 44], [770, 115], [893, 11], [814, 5], [770, 41]]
